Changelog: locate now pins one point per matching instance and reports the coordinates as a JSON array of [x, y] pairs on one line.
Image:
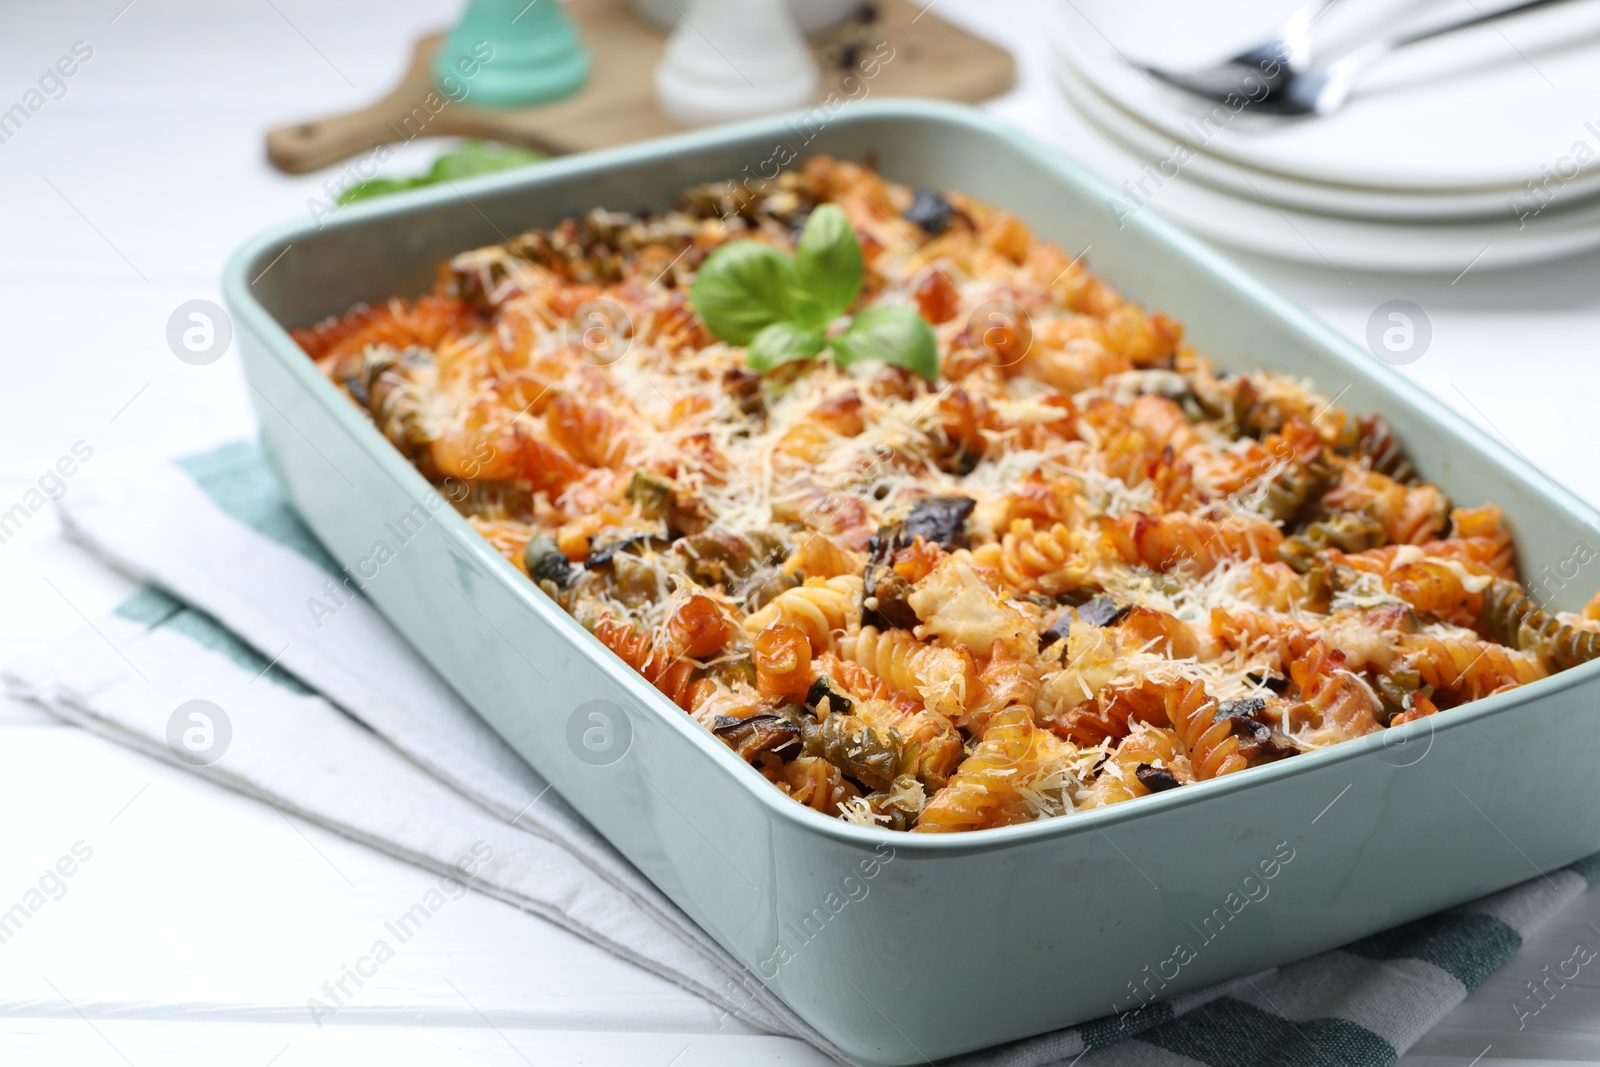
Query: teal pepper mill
[[537, 55]]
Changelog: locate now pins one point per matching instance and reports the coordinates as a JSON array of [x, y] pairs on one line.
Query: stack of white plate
[[1480, 147]]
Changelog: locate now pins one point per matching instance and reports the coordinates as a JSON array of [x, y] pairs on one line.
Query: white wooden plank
[[199, 903], [1505, 1017], [69, 1042]]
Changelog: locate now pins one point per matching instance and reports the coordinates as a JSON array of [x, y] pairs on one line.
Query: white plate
[[1486, 109], [1286, 233], [1156, 147]]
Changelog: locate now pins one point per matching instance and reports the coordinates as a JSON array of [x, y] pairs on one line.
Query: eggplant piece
[[891, 803], [822, 689], [717, 557], [1244, 708], [738, 563], [758, 734], [1263, 745], [1059, 630], [883, 592], [1272, 682], [1103, 611], [1258, 741], [356, 386], [599, 557], [931, 211], [744, 387], [853, 747], [849, 744], [547, 563], [1155, 779], [651, 492], [940, 520]]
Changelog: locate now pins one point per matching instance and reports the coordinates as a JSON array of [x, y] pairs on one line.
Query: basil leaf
[[473, 157], [377, 187], [476, 157], [827, 265], [783, 342], [742, 287], [890, 335]]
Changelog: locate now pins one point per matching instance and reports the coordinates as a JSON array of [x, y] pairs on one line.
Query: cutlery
[[1283, 87], [1273, 61]]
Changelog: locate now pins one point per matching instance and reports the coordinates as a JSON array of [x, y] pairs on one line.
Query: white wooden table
[[203, 920]]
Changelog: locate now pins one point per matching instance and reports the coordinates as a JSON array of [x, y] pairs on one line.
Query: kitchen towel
[[344, 724]]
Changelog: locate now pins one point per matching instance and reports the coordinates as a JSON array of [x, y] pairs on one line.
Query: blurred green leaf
[[476, 157], [743, 287], [783, 342], [376, 187], [472, 158], [895, 335], [827, 266]]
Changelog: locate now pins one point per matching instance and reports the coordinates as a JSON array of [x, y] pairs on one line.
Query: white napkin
[[387, 754]]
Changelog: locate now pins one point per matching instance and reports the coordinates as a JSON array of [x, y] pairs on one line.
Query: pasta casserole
[[922, 519]]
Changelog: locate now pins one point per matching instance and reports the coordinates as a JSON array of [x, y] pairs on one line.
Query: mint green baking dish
[[902, 948]]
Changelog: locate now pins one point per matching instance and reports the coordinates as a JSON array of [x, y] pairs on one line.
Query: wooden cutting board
[[931, 58]]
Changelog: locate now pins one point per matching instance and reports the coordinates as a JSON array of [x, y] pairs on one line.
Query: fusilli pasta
[[1080, 567]]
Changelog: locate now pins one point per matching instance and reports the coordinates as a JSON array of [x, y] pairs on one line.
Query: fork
[[1274, 61], [1281, 86]]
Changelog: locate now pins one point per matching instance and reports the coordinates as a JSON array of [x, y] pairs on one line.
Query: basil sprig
[[471, 159], [780, 306]]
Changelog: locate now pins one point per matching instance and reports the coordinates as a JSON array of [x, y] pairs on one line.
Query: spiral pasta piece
[[1112, 715], [1480, 554], [589, 432], [1512, 617], [1044, 501], [942, 677], [824, 609], [1349, 531], [814, 782], [699, 626], [1410, 515], [818, 556], [984, 789], [1047, 561], [1469, 669], [1006, 681], [396, 323], [1149, 746], [1178, 539], [1212, 748], [1447, 588], [929, 746], [1381, 450], [1335, 703], [858, 681], [782, 655], [1259, 633], [668, 671]]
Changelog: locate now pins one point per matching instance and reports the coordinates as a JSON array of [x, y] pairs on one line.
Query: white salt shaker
[[733, 59]]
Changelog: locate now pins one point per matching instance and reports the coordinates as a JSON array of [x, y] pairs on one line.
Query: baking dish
[[903, 948]]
